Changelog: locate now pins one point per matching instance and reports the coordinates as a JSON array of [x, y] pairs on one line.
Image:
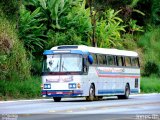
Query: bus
[[90, 72]]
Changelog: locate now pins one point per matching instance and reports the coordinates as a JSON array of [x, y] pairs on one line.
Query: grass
[[150, 84], [20, 89]]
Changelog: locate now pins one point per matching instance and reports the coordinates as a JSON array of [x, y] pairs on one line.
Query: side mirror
[[90, 59]]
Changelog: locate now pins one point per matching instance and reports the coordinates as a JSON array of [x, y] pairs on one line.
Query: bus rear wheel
[[100, 97], [127, 92], [57, 99], [91, 96]]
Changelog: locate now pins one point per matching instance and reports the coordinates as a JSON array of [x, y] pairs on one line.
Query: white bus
[[82, 71]]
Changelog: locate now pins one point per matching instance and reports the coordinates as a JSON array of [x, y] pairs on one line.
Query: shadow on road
[[109, 98], [84, 100]]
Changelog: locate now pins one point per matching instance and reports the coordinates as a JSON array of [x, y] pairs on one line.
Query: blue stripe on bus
[[78, 52], [51, 52], [48, 52], [114, 91], [110, 91], [134, 90], [61, 93]]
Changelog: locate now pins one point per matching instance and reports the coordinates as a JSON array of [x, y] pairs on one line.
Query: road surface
[[136, 107]]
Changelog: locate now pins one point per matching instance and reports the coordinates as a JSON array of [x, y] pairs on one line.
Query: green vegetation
[[150, 44], [112, 27], [150, 84], [13, 61], [29, 88], [27, 27], [31, 30]]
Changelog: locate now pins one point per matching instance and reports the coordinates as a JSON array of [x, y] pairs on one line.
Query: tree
[[108, 29], [31, 30]]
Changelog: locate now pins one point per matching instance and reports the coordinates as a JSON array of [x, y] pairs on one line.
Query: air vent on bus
[[68, 47]]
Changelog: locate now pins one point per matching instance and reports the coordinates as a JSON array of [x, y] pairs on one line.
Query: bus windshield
[[62, 63]]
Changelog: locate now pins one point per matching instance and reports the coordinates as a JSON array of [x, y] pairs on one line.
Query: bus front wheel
[[91, 96], [57, 99], [127, 92]]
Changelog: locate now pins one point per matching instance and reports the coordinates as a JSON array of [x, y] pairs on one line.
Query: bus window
[[111, 60], [104, 60], [127, 61], [51, 63], [101, 59], [120, 61], [94, 59], [135, 62], [85, 65], [71, 62]]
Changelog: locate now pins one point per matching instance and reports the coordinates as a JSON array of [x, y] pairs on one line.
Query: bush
[[10, 9], [36, 67], [29, 88], [150, 45], [151, 68], [14, 64], [150, 42], [129, 42]]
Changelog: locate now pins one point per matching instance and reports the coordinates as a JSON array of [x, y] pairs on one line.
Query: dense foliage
[[13, 61], [41, 24]]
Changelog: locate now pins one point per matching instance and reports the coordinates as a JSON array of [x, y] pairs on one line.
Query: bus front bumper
[[61, 93]]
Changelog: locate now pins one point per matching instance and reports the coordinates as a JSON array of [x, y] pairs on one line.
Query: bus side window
[[101, 59], [85, 65], [123, 61], [104, 59], [111, 60], [138, 62], [119, 60], [135, 62], [94, 59], [127, 61]]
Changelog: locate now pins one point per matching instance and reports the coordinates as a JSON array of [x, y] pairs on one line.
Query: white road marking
[[51, 111], [69, 111]]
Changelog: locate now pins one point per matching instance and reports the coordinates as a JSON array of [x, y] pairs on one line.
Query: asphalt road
[[136, 107]]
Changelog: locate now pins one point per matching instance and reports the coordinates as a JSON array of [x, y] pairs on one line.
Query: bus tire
[[127, 92], [57, 99], [91, 96], [100, 97]]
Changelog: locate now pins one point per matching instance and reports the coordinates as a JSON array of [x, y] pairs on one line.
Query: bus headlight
[[47, 86], [72, 85], [41, 86]]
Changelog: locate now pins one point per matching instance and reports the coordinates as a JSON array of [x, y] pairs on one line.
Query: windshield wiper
[[56, 66], [63, 67]]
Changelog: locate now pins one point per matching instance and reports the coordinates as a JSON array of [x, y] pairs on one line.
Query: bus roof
[[89, 49]]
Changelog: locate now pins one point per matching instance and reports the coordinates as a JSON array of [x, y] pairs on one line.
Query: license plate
[[59, 92]]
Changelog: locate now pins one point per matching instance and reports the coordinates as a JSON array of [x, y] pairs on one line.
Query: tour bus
[[90, 72]]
